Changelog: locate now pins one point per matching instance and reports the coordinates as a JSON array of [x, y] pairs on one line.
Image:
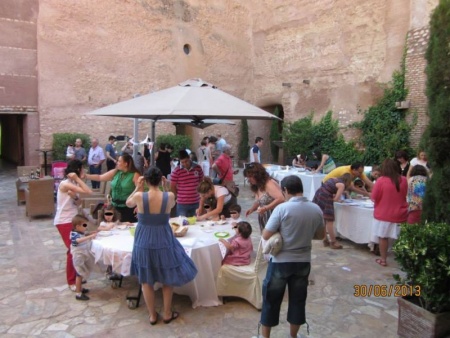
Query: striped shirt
[[187, 182]]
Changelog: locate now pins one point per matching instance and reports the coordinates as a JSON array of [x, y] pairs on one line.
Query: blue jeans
[[295, 276], [187, 210], [93, 171]]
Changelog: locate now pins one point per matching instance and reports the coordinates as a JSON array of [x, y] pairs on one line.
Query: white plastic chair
[[244, 281]]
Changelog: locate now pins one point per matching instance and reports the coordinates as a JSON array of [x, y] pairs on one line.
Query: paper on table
[[187, 242]]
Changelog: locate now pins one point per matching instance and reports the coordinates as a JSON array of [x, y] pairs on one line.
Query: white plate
[[121, 227], [207, 230], [371, 206], [221, 222]]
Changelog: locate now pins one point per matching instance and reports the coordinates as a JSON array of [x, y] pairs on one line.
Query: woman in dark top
[[162, 159], [402, 158]]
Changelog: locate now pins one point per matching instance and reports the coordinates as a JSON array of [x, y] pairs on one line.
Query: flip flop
[[380, 261], [175, 315], [155, 321]]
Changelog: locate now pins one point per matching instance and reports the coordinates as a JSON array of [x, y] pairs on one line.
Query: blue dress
[[157, 255]]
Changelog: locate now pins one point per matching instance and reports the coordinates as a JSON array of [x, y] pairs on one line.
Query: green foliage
[[62, 140], [437, 136], [298, 136], [275, 135], [384, 128], [303, 136], [244, 144], [423, 252], [179, 142]]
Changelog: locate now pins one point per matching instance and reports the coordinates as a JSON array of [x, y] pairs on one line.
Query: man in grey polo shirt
[[297, 220]]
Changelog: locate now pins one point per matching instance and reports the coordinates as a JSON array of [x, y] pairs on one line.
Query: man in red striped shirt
[[184, 181]]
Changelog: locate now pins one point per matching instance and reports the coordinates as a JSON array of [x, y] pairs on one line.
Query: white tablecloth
[[354, 221], [311, 182], [200, 243]]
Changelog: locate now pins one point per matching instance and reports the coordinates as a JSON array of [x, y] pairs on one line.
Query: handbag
[[217, 180]]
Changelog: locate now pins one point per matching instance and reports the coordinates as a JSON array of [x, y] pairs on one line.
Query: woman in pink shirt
[[391, 208]]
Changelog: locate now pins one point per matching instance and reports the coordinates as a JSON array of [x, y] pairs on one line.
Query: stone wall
[[328, 54], [416, 81], [19, 81]]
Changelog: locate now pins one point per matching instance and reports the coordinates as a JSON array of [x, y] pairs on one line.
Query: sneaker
[[84, 290], [82, 297], [73, 287]]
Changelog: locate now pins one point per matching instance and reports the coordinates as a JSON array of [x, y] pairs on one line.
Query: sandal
[[154, 321], [335, 245], [380, 261], [175, 315], [326, 242]]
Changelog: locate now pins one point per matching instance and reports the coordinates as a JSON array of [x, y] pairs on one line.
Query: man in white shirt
[[255, 151], [219, 144], [95, 160]]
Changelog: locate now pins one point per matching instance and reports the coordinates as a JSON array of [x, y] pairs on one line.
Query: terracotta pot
[[414, 321]]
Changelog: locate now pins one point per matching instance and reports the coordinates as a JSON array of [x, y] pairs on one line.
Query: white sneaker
[[73, 287]]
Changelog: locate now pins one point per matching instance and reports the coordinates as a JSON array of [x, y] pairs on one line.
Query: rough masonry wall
[[95, 53], [19, 80], [416, 81], [328, 54]]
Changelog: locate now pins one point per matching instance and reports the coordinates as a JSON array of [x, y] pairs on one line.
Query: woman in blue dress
[[157, 255]]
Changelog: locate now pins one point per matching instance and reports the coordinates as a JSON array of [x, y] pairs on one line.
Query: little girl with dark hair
[[110, 218], [240, 247]]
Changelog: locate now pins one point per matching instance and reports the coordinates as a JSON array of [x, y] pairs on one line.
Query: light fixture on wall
[[306, 82], [286, 84]]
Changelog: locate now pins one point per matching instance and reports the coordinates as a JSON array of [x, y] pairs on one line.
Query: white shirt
[[96, 155]]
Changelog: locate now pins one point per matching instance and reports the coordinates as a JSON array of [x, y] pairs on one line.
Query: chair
[[244, 281], [39, 197], [22, 186]]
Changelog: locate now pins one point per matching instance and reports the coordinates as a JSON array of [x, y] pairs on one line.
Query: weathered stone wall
[[329, 54], [416, 81], [18, 80]]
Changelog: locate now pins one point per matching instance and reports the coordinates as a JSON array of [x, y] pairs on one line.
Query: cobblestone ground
[[35, 300]]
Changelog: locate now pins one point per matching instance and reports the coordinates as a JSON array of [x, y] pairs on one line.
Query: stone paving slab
[[36, 302]]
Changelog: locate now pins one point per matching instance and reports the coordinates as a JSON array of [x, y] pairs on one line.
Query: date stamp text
[[379, 290]]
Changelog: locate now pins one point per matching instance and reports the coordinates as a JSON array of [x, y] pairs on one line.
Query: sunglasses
[[85, 225], [109, 213], [235, 227]]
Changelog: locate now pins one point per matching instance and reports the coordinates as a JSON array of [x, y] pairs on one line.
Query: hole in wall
[[187, 49]]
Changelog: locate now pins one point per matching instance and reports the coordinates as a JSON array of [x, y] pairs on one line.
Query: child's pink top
[[242, 250]]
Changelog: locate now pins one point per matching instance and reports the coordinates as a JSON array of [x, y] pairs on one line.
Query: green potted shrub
[[423, 253]]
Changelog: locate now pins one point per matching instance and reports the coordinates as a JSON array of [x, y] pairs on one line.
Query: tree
[[244, 146], [437, 135]]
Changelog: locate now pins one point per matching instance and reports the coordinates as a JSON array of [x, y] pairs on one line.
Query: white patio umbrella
[[193, 99]]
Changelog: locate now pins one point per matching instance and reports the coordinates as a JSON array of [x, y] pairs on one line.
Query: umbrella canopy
[[194, 99], [196, 123]]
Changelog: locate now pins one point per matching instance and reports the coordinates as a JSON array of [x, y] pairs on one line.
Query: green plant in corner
[[423, 253]]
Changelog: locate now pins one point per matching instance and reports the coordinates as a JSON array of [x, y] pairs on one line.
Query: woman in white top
[[67, 202], [204, 157], [421, 159], [218, 198]]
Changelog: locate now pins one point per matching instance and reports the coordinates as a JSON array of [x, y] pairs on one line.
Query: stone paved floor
[[34, 299]]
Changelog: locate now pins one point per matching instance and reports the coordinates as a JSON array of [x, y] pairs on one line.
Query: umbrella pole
[[135, 137], [152, 153]]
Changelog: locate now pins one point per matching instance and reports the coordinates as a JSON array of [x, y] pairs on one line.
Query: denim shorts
[[294, 275], [187, 210]]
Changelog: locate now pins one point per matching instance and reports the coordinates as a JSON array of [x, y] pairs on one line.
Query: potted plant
[[423, 253]]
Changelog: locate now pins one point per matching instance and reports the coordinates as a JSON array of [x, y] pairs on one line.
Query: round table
[[200, 243]]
